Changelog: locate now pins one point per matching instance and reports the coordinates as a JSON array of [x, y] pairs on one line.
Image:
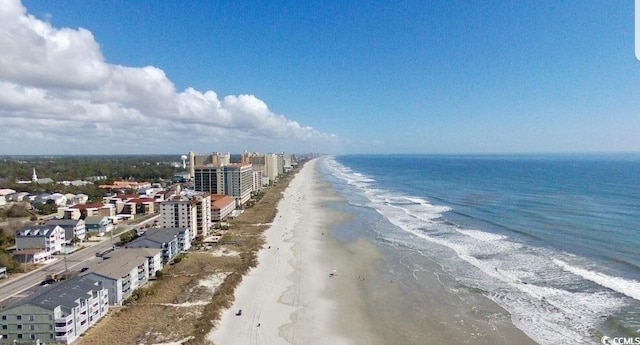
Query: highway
[[25, 284]]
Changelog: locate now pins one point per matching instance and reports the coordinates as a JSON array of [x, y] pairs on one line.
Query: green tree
[[48, 207]]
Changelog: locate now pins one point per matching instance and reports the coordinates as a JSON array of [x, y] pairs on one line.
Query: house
[[58, 313], [80, 199], [73, 228], [170, 240], [98, 225], [48, 237], [59, 199], [7, 191], [20, 196], [121, 274], [32, 256]]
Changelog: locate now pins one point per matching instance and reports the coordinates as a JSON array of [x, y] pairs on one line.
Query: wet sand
[[312, 289]]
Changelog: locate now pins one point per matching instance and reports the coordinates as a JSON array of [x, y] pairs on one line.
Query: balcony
[[63, 329], [64, 319]]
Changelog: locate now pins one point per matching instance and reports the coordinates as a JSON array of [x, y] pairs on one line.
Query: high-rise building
[[193, 212], [238, 180], [235, 180]]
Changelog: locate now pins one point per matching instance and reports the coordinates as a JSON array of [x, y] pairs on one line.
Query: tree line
[[70, 168]]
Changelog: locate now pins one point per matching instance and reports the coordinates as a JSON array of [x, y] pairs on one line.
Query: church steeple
[[34, 177]]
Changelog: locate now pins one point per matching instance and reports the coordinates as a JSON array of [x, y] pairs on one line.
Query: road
[[27, 283]]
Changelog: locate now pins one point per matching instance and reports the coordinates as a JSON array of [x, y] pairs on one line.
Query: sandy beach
[[309, 288]]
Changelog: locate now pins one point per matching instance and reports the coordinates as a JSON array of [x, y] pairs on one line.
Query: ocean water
[[553, 239]]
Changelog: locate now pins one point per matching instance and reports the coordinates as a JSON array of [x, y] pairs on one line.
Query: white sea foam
[[531, 283], [630, 288]]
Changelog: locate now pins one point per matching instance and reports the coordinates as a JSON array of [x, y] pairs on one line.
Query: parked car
[[47, 281]]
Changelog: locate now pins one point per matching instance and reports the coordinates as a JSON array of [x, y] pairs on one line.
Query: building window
[[4, 317], [4, 326], [32, 327], [31, 317], [19, 326], [32, 336], [19, 335], [18, 317]]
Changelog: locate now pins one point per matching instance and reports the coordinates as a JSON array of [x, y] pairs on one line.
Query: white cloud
[[55, 85]]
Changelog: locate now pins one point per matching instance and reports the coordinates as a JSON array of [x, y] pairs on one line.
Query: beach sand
[[309, 288]]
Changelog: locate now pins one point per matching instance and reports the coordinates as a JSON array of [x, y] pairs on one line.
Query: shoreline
[[295, 299], [286, 294]]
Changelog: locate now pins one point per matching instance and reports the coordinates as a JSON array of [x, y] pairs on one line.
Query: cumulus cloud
[[55, 85]]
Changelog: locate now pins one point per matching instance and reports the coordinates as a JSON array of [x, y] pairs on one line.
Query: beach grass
[[176, 307]]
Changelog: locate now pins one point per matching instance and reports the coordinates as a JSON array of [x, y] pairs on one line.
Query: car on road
[[47, 281], [83, 269]]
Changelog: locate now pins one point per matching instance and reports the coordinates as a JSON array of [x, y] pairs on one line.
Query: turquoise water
[[554, 239]]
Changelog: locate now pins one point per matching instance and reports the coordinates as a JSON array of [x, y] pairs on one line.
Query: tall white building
[[271, 166], [193, 212]]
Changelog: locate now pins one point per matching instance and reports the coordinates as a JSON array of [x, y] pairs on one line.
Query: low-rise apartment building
[[59, 313], [82, 211], [170, 240], [221, 207], [152, 255], [121, 274]]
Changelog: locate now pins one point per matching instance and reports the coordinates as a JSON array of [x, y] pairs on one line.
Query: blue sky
[[340, 77]]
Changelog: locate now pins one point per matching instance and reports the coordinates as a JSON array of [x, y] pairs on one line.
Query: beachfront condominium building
[[59, 313], [188, 211], [221, 207], [271, 166], [170, 240], [238, 179], [235, 180], [256, 181], [265, 163], [152, 255], [50, 238], [214, 158], [121, 274]]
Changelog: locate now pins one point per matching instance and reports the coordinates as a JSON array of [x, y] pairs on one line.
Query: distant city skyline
[[148, 77]]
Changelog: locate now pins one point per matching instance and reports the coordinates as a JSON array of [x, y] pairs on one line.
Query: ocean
[[552, 239]]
